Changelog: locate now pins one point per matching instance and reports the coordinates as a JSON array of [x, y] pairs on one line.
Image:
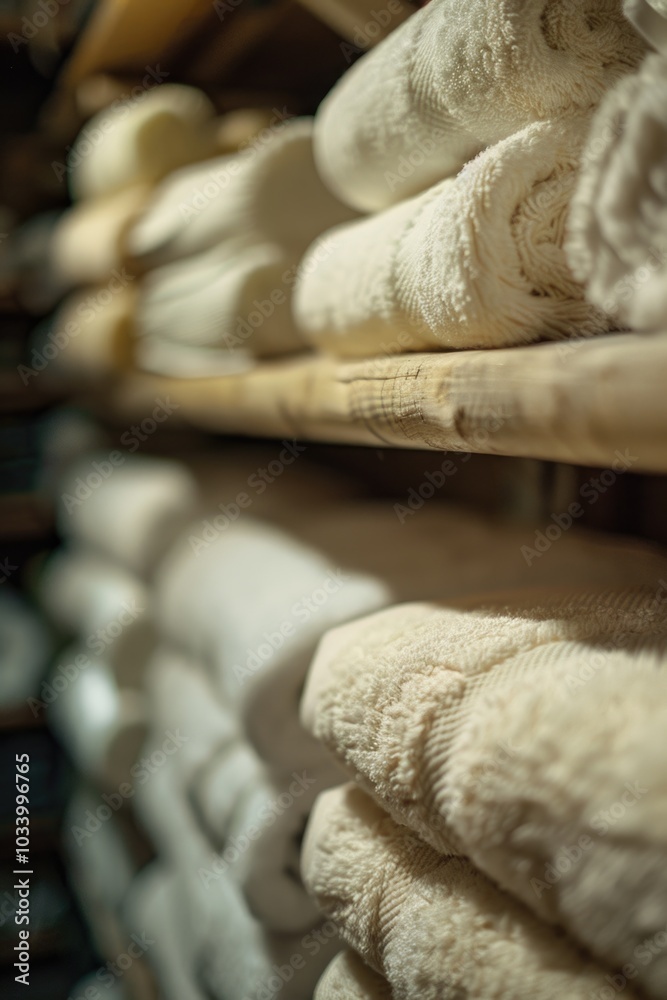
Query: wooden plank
[[578, 402]]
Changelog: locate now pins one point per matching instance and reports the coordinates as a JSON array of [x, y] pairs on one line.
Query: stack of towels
[[245, 563]]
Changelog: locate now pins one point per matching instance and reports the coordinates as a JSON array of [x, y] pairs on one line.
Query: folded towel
[[101, 725], [617, 240], [650, 19], [128, 507], [254, 601], [452, 80], [90, 334], [348, 976], [87, 242], [230, 297], [140, 140], [269, 192], [232, 955], [520, 731], [105, 606], [434, 927], [476, 261]]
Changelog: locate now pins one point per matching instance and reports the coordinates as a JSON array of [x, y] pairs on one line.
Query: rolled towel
[[650, 19], [239, 299], [101, 725], [105, 606], [520, 731], [128, 507], [140, 141], [435, 927], [476, 261], [220, 785], [91, 333], [269, 192], [348, 976], [254, 601], [617, 242], [27, 647], [87, 242], [450, 81]]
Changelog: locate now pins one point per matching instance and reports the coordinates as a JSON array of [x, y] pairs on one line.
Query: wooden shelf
[[579, 402]]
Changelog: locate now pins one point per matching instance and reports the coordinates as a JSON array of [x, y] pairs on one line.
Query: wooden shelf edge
[[581, 402]]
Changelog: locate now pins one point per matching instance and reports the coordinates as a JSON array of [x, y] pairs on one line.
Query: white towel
[[434, 926], [520, 731], [228, 297], [650, 19], [348, 976], [269, 192], [105, 606], [476, 261], [26, 647], [128, 507], [617, 224], [140, 141], [102, 726], [453, 79]]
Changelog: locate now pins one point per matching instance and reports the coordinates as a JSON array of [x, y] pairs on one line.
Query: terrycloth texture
[[349, 977], [87, 242], [520, 731], [476, 261], [227, 297], [617, 224], [101, 725], [140, 141], [435, 927], [232, 954], [268, 193], [91, 332], [253, 602], [455, 78], [650, 19], [106, 606], [128, 507]]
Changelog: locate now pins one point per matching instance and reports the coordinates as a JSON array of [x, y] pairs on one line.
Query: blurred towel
[[91, 333], [617, 224], [26, 649], [433, 926], [476, 261], [128, 507], [349, 977], [268, 193], [229, 297], [140, 140], [481, 728], [650, 19], [105, 606], [453, 79]]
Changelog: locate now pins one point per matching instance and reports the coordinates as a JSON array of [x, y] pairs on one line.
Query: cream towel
[[435, 927], [220, 785], [140, 141], [476, 261], [90, 335], [349, 977], [270, 192], [87, 242], [453, 79], [226, 297], [650, 19], [254, 601], [617, 224], [107, 607], [101, 725], [520, 731], [128, 507]]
